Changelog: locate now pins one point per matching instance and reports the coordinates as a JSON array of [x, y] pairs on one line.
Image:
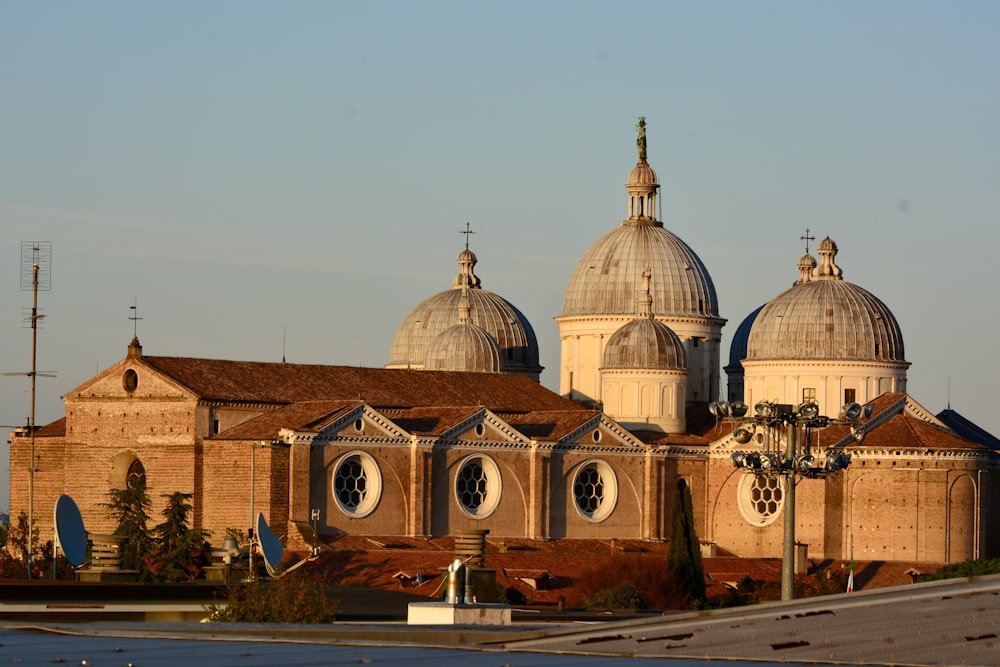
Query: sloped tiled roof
[[968, 430], [304, 416], [259, 382], [550, 425], [54, 429], [430, 421]]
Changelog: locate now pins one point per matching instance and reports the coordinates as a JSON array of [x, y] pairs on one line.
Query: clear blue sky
[[247, 168]]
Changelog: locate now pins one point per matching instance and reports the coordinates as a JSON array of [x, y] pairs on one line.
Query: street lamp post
[[797, 461]]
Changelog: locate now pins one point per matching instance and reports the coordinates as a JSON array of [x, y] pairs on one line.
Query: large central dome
[[607, 278], [602, 291]]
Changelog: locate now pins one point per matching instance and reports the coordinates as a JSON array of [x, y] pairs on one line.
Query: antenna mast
[[36, 274]]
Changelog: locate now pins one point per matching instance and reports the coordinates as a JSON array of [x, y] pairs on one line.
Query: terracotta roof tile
[[304, 416], [550, 425], [430, 420], [260, 382]]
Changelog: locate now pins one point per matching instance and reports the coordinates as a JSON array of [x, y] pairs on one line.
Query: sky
[[265, 178]]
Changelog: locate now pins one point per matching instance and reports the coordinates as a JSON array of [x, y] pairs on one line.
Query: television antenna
[[36, 276]]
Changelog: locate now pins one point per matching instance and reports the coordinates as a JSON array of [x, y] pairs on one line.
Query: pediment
[[130, 378]]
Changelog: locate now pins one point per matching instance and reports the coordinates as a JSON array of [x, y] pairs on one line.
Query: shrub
[[294, 598], [622, 596], [967, 568]]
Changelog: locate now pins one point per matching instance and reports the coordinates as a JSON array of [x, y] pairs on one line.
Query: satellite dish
[[270, 546], [70, 534]]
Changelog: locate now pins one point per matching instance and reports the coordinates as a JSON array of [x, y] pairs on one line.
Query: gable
[[129, 378]]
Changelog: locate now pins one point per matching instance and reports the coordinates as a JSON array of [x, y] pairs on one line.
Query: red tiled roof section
[[431, 420], [550, 424], [912, 433], [260, 382], [54, 429], [309, 416]]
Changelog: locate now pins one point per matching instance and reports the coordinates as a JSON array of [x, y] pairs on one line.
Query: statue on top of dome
[[640, 141]]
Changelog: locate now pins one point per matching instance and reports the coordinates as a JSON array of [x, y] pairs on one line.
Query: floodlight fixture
[[738, 459], [852, 410], [742, 436], [765, 409], [805, 462], [738, 409], [809, 410]]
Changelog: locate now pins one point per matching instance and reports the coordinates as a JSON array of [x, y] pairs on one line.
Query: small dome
[[826, 318], [645, 343], [464, 347], [642, 175], [505, 324]]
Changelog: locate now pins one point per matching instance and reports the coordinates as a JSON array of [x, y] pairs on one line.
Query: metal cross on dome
[[467, 231]]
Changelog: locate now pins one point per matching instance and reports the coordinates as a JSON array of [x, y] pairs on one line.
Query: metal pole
[[253, 469], [788, 548], [31, 463]]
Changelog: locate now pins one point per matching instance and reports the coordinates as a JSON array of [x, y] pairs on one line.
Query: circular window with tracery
[[595, 490], [357, 484], [761, 498], [477, 486]]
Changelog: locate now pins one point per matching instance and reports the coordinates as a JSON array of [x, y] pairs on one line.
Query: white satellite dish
[[273, 549], [70, 534]]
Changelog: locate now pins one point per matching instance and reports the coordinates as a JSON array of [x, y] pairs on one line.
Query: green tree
[[684, 559], [129, 507], [179, 553], [14, 558]]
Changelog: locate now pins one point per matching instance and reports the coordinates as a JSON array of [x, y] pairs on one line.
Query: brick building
[[478, 443]]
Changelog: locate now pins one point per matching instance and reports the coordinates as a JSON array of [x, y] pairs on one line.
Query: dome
[[826, 318], [463, 347], [645, 343], [738, 347], [641, 175], [505, 324], [606, 280]]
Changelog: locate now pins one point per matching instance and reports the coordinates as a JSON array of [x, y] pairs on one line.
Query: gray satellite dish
[[70, 534], [270, 546]]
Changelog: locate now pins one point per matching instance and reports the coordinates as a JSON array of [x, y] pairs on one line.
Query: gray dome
[[826, 318], [645, 343], [738, 348], [507, 326], [607, 278], [463, 347]]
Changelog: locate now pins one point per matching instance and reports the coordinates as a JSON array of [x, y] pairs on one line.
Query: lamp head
[[852, 410], [805, 462], [765, 409], [738, 409], [742, 436], [809, 410], [738, 459]]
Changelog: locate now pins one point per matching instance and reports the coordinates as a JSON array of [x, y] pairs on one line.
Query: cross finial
[[467, 232], [807, 239], [135, 317]]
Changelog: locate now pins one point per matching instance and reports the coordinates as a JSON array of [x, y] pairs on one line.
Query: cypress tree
[[684, 558]]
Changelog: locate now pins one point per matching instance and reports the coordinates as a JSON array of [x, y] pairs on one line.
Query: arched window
[[136, 475]]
